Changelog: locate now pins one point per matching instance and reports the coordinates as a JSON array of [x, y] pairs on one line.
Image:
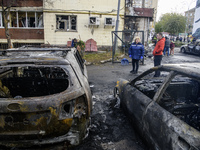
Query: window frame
[[68, 26]]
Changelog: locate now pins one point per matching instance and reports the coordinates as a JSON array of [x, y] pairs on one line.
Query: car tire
[[183, 50]]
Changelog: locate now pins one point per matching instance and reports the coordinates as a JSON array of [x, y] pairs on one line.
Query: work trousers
[[135, 64], [157, 62]]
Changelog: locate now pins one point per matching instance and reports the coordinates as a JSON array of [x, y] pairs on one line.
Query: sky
[[178, 6]]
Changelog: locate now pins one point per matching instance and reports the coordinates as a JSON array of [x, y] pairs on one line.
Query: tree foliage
[[158, 27], [171, 22]]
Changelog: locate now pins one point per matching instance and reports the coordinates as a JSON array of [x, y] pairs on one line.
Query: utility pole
[[116, 29]]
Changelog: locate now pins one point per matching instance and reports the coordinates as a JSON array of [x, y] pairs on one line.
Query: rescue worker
[[74, 42], [136, 52], [158, 52]]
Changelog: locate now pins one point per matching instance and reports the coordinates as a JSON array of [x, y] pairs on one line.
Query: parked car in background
[[184, 48], [45, 97], [165, 110], [193, 47]]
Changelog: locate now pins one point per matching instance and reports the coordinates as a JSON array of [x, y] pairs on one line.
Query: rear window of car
[[30, 81]]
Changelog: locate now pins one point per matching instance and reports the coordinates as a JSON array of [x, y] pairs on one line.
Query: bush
[[179, 44]]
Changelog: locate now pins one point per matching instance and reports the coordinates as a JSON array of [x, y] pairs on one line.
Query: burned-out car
[[45, 97], [164, 110], [193, 47]]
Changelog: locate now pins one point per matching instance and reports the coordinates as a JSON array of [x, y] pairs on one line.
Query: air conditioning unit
[[94, 21], [109, 22]]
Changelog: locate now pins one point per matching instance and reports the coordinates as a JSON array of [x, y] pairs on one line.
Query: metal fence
[[124, 40]]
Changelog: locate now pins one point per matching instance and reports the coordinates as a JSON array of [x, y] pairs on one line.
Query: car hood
[[33, 60]]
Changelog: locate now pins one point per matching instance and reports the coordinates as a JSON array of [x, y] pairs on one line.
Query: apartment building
[[81, 19], [25, 23], [59, 21], [140, 16], [190, 14], [144, 4]]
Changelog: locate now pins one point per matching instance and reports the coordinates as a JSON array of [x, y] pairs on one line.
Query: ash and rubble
[[110, 128]]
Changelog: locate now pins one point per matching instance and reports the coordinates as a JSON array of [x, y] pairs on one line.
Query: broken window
[[24, 19], [66, 23], [13, 19], [1, 20], [31, 19], [39, 20], [137, 3], [19, 82]]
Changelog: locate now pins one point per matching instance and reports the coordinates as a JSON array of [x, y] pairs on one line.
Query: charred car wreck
[[45, 97], [165, 110]]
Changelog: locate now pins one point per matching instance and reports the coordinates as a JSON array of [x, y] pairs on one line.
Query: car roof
[[35, 55], [184, 67], [188, 69]]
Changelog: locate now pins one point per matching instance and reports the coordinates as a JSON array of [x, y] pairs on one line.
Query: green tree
[[158, 27], [172, 22]]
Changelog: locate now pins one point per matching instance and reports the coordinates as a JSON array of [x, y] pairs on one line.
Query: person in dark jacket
[[74, 41], [136, 52], [158, 51], [167, 45]]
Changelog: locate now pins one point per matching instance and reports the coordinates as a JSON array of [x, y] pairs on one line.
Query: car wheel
[[183, 50], [117, 98]]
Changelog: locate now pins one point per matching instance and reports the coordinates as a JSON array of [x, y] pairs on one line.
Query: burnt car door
[[134, 103], [166, 119], [145, 111], [154, 104], [136, 96]]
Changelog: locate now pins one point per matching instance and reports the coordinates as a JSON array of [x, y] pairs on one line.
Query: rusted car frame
[[45, 97], [165, 110]]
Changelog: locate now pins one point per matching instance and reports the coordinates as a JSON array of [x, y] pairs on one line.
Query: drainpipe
[[143, 3], [116, 29]]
